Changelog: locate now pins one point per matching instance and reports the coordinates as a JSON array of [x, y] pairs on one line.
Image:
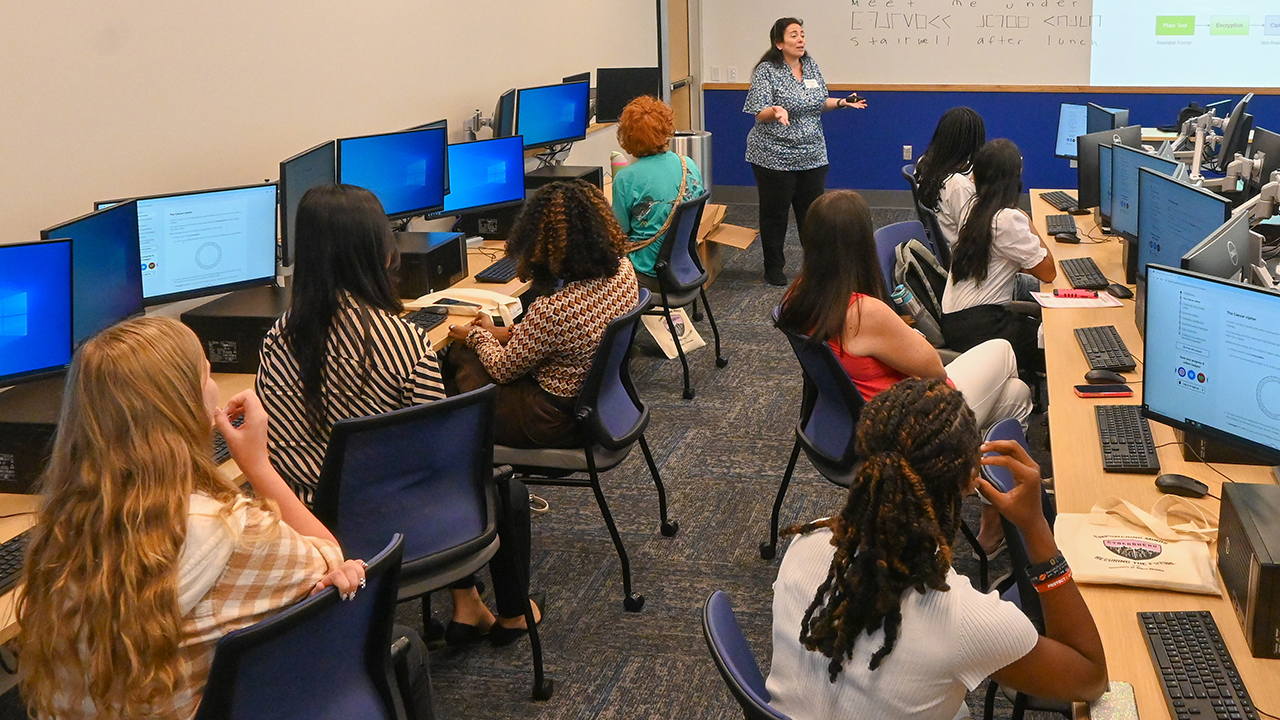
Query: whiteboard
[[997, 42]]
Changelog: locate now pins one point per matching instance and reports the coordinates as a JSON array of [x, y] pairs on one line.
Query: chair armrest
[[947, 355], [1024, 307], [503, 472], [404, 687]]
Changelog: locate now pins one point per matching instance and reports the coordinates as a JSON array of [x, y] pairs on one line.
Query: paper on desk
[[1049, 301]]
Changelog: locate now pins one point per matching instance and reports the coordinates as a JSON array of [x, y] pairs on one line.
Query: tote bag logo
[[1133, 549]]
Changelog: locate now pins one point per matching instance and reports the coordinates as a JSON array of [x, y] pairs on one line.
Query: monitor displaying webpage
[[1125, 162], [1173, 218], [1213, 356], [1072, 122], [201, 241]]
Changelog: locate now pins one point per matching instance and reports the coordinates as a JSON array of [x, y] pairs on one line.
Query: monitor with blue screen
[[552, 114], [1211, 353], [35, 310], [486, 174], [405, 170], [107, 274], [1072, 122], [308, 169], [1125, 163], [1104, 184], [1173, 218]]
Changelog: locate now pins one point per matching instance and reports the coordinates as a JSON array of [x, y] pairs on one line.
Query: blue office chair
[[827, 430], [427, 472], [681, 277], [933, 230], [1018, 589], [909, 174], [321, 658], [734, 660], [888, 238], [612, 419]]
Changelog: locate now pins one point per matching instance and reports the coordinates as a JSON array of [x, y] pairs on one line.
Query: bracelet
[[1053, 584], [1046, 571]]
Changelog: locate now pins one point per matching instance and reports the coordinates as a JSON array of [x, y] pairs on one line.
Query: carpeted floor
[[721, 455]]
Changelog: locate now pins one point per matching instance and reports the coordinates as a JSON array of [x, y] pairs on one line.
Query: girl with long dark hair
[[869, 618], [996, 242], [944, 172]]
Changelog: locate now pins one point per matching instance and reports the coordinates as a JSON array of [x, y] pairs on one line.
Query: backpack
[[920, 271]]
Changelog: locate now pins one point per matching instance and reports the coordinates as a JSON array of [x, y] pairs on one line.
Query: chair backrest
[[321, 658], [1025, 595], [679, 266], [424, 471], [832, 404], [909, 174], [615, 415], [734, 660], [888, 238], [938, 244]]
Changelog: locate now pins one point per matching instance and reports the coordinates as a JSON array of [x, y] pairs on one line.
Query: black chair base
[[663, 307]]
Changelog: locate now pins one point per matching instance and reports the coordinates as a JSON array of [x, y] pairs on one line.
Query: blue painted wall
[[865, 146]]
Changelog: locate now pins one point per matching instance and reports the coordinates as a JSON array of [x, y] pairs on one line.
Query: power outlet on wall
[[733, 74], [715, 73], [906, 152]]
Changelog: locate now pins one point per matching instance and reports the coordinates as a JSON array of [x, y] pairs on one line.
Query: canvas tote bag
[[1118, 543]]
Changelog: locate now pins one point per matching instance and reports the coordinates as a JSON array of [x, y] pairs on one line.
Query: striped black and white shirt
[[401, 371]]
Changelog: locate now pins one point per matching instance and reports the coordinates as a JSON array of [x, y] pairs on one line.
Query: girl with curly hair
[[892, 630], [646, 192], [566, 237]]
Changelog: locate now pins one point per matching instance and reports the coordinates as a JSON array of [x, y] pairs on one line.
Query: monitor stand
[[593, 174]]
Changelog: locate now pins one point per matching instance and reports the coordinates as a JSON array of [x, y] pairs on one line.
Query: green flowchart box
[[1175, 25], [1229, 25]]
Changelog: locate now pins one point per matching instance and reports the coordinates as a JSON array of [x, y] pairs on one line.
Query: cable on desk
[[19, 514], [1206, 462]]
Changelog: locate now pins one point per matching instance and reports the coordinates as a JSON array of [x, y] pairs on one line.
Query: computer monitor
[[1267, 144], [439, 125], [1087, 173], [1100, 118], [579, 77], [552, 114], [1125, 163], [487, 174], [1219, 108], [1210, 357], [1228, 253], [106, 274], [207, 241], [615, 87], [1235, 136], [1104, 185], [35, 310], [311, 168], [1072, 120], [405, 170], [504, 114], [1173, 218]]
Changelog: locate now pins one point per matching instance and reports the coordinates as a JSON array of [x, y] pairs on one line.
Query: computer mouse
[[1071, 238], [1104, 377], [1175, 484], [1119, 291]]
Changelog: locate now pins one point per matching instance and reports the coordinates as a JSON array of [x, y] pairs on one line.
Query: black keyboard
[[1199, 679], [222, 453], [426, 318], [1060, 224], [1059, 200], [1104, 349], [1126, 440], [11, 553], [1084, 273], [504, 270]]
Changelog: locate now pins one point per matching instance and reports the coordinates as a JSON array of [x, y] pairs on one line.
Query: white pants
[[987, 376]]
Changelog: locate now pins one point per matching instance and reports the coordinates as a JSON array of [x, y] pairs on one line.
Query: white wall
[[110, 99]]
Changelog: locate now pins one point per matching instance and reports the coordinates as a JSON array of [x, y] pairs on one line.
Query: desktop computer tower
[[1249, 561], [492, 224], [552, 173], [28, 422], [429, 262], [232, 327]]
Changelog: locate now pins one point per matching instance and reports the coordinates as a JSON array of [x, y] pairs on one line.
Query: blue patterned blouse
[[800, 145]]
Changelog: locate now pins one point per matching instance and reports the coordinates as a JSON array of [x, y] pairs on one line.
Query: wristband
[[1048, 570], [1053, 584]]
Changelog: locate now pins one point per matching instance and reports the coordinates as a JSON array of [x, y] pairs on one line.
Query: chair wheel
[[633, 602], [697, 317], [768, 551], [670, 528], [688, 393], [722, 361], [544, 692]]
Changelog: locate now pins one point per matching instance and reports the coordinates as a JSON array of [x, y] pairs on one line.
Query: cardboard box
[[713, 233]]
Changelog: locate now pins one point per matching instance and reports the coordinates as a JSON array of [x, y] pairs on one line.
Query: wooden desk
[[1080, 482], [477, 260]]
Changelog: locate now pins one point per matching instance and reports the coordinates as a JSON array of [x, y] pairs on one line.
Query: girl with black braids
[[892, 630]]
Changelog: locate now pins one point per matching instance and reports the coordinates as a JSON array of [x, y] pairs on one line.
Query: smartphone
[[854, 98], [1075, 293], [1103, 391], [459, 303]]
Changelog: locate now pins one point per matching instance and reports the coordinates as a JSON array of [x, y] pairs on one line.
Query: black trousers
[[976, 325], [509, 566], [780, 191]]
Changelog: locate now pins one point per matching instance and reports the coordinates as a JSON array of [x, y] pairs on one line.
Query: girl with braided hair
[[892, 630]]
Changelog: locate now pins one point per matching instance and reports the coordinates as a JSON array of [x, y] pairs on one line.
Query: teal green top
[[644, 193]]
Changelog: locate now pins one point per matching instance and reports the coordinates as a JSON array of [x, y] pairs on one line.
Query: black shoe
[[500, 636], [458, 634], [434, 635], [775, 276]]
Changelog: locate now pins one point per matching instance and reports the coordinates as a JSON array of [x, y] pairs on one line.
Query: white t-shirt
[[953, 204], [1014, 248], [947, 644]]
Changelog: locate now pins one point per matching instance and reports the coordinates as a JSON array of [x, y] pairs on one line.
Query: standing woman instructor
[[786, 147]]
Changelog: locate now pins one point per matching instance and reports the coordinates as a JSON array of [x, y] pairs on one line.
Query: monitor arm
[[1266, 203], [473, 125]]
